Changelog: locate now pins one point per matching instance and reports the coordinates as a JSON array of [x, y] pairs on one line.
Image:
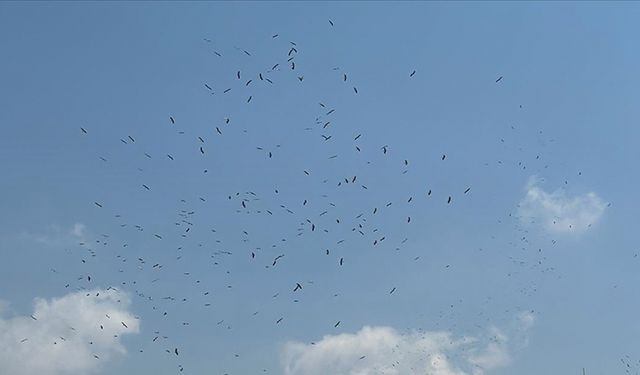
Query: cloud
[[526, 319], [558, 212], [79, 230], [68, 333], [383, 350], [56, 236]]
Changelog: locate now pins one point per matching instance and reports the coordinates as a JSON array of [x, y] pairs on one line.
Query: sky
[[415, 188]]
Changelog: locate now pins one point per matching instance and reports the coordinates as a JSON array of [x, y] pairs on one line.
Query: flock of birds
[[324, 221]]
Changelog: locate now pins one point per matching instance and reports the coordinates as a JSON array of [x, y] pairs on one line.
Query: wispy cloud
[[383, 350], [79, 231], [55, 235], [558, 212], [74, 334]]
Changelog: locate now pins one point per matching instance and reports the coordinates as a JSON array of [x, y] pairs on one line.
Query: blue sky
[[531, 271]]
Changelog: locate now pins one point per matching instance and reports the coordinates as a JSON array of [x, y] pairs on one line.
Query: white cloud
[[383, 350], [558, 212], [67, 334], [494, 355]]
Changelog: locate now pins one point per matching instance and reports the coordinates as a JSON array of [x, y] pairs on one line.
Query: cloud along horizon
[[73, 334], [384, 350]]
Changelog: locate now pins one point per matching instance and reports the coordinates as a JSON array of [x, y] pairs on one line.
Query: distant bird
[[412, 73], [499, 79], [83, 130]]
